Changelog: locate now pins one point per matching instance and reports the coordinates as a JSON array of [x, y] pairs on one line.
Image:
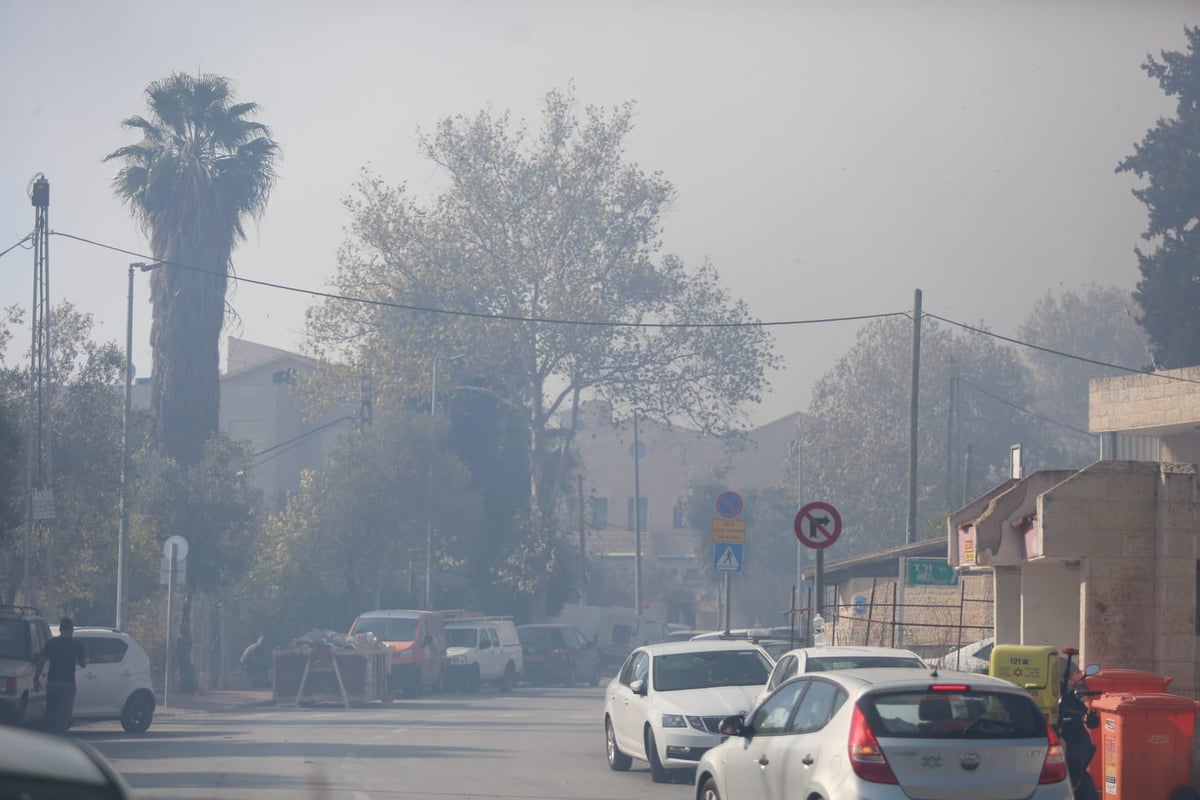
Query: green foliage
[[200, 170], [1168, 159], [556, 225], [855, 448], [1094, 323], [354, 536], [212, 505]]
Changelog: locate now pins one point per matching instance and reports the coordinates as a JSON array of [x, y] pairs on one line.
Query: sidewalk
[[212, 700]]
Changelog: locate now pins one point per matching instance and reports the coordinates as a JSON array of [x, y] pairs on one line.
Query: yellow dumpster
[[1036, 668]]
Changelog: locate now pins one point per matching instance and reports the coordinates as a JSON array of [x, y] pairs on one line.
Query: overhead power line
[[482, 314], [23, 240], [1022, 409]]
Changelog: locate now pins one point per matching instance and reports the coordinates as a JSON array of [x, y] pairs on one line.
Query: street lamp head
[[146, 267], [458, 357]]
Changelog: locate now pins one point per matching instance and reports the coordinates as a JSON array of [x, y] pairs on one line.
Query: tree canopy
[[1168, 159], [544, 248]]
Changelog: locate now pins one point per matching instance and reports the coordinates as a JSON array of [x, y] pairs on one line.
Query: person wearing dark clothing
[[63, 653], [256, 663]]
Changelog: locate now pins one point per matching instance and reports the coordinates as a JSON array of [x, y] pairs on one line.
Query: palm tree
[[200, 171]]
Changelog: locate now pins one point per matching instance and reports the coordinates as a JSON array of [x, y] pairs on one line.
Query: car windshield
[[825, 663], [388, 629], [678, 671], [970, 714], [462, 637], [14, 639]]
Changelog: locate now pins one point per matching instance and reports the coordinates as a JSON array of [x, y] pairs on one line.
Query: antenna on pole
[[39, 475]]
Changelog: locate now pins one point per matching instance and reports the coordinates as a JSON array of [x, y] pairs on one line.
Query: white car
[[888, 734], [824, 658], [666, 704], [482, 650], [974, 657], [115, 684]]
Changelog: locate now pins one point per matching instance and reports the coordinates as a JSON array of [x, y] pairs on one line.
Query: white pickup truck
[[482, 650]]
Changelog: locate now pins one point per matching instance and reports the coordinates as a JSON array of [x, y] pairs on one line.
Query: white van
[[482, 650]]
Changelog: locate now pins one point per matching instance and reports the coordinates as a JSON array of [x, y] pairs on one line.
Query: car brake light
[[866, 756], [1054, 768], [949, 687]]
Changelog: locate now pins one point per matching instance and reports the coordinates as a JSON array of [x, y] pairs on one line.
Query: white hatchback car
[[888, 734], [115, 684], [824, 658], [666, 704]]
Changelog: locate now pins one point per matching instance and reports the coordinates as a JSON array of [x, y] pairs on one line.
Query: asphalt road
[[535, 744]]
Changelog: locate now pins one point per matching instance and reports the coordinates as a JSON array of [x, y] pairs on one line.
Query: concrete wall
[[1139, 404], [1050, 593]]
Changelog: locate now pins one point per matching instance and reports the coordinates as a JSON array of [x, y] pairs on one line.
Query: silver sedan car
[[888, 734]]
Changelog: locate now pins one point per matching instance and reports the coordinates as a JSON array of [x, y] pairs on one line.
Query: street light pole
[[123, 530], [429, 495]]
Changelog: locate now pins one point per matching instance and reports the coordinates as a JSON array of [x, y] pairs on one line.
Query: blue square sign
[[727, 556]]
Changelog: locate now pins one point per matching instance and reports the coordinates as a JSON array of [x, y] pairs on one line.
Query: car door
[[793, 757], [100, 686], [629, 707], [489, 654], [747, 768], [784, 669]]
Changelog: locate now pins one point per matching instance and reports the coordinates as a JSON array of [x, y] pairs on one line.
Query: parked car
[[482, 650], [825, 658], [418, 641], [23, 635], [115, 684], [559, 654], [974, 657], [666, 703], [903, 733], [775, 641], [38, 766]]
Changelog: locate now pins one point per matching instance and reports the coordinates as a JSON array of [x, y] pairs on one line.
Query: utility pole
[[951, 415], [911, 535], [39, 475], [637, 520]]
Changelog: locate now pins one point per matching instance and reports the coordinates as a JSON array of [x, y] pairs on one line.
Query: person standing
[[63, 653]]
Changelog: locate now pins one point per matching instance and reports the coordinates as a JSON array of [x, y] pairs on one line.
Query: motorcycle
[[1075, 719]]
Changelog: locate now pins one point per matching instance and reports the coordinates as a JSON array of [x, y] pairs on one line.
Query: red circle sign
[[818, 525]]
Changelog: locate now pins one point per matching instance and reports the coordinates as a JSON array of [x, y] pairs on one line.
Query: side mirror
[[734, 726], [638, 687], [1091, 669]]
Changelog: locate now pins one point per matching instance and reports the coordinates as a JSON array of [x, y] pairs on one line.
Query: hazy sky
[[829, 157]]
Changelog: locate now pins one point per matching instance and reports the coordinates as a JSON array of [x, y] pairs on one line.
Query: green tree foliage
[[354, 537], [214, 507], [552, 225], [855, 446], [1095, 323], [201, 169], [1168, 159]]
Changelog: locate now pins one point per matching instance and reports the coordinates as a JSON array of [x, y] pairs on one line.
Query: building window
[[599, 512], [641, 518], [678, 518]]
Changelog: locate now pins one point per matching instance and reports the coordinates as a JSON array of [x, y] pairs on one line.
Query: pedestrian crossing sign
[[727, 556]]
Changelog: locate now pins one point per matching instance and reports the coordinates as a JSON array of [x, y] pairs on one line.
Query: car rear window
[[824, 663], [388, 629], [540, 636], [967, 714]]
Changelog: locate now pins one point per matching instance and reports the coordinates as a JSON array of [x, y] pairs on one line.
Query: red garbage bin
[[1119, 681], [1146, 745]]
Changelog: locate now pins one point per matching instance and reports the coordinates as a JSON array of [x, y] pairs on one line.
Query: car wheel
[[509, 681], [617, 761], [138, 712], [709, 790], [658, 773], [471, 681]]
